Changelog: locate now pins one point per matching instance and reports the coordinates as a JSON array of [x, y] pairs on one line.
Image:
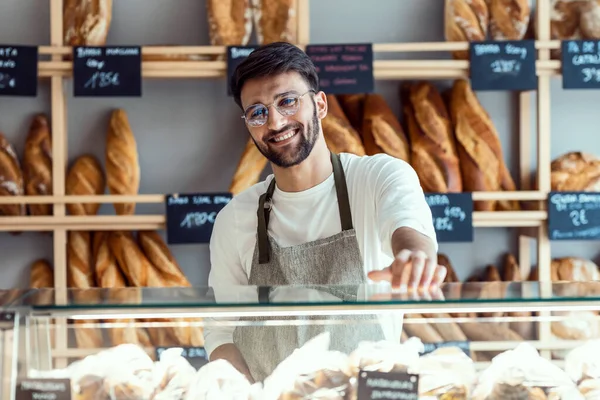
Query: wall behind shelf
[[189, 133]]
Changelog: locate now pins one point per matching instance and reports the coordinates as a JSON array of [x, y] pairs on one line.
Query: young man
[[320, 219]]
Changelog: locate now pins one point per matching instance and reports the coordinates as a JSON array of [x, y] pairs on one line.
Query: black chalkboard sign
[[387, 386], [111, 71], [580, 64], [574, 216], [18, 70], [235, 56], [190, 217], [452, 216], [503, 65], [431, 347], [36, 389], [196, 356], [343, 68]]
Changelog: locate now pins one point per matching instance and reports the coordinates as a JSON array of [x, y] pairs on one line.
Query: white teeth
[[284, 137]]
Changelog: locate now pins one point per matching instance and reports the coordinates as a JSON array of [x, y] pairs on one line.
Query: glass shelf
[[312, 300]]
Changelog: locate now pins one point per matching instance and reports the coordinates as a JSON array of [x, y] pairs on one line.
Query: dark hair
[[272, 59]]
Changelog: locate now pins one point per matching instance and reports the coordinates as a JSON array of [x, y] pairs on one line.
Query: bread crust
[[11, 178], [465, 21], [37, 164], [229, 22], [382, 132], [249, 168], [275, 21], [86, 22], [509, 19], [340, 136], [85, 177]]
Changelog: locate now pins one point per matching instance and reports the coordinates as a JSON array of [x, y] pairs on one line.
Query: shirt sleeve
[[226, 272], [399, 200]]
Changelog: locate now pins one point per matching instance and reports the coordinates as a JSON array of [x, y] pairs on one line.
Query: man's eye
[[258, 113], [287, 102]]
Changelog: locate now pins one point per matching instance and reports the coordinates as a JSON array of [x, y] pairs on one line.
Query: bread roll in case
[[37, 164], [11, 178]]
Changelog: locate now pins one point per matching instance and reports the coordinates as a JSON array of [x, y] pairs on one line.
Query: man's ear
[[321, 104]]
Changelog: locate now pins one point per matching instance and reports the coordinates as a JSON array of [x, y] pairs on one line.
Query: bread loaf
[[480, 153], [509, 19], [382, 132], [433, 152], [275, 21], [426, 332], [465, 21], [11, 178], [339, 134], [229, 22], [135, 266], [41, 274], [353, 106], [122, 165], [574, 269], [85, 177], [590, 20], [163, 260], [86, 22], [37, 164], [575, 171], [249, 168]]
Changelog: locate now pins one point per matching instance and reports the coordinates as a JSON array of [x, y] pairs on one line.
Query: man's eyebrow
[[275, 96]]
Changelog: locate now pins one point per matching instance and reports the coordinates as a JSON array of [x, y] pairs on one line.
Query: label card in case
[[18, 70], [36, 389], [503, 65], [574, 216], [452, 216], [111, 71], [343, 68], [387, 386], [580, 64], [191, 217]]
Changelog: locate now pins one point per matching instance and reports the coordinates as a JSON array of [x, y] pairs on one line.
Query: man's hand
[[412, 269]]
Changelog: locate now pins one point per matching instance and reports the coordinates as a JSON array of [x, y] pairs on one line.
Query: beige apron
[[335, 260]]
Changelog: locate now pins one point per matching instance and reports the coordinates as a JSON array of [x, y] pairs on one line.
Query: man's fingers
[[418, 266], [429, 272], [381, 275], [439, 276]]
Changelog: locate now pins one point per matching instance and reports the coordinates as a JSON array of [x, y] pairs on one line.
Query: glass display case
[[466, 340]]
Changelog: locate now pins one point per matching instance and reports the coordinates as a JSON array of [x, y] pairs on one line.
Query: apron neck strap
[[264, 208]]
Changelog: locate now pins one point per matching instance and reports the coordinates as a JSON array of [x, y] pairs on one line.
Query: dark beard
[[287, 159]]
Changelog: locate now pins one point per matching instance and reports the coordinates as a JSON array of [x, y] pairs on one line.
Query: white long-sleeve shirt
[[384, 192]]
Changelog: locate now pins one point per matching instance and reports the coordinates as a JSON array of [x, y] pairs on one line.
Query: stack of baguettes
[[476, 20], [474, 330]]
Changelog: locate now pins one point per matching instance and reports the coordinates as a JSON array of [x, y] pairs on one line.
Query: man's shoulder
[[245, 200], [377, 163]]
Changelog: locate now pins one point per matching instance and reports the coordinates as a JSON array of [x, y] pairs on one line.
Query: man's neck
[[311, 172]]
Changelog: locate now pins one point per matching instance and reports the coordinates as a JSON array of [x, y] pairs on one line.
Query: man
[[320, 219]]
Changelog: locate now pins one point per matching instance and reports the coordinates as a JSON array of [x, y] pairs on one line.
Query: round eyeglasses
[[286, 104]]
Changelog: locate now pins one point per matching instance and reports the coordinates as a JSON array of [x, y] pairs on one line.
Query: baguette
[[160, 256], [353, 106], [465, 21], [480, 153], [86, 22], [425, 332], [37, 164], [339, 134], [251, 165], [274, 21], [11, 178], [122, 165], [433, 146], [382, 132], [509, 19], [41, 275], [229, 22], [85, 177]]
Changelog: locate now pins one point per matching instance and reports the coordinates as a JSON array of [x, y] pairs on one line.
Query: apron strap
[[342, 192], [264, 208]]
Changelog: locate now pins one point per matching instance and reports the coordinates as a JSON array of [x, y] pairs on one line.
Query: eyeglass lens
[[257, 115]]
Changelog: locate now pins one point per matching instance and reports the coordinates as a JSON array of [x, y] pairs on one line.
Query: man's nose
[[275, 120]]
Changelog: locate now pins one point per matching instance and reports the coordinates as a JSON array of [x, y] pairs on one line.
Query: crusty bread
[[41, 274], [575, 171], [433, 152], [426, 332], [85, 177], [339, 134], [465, 21], [353, 106], [136, 267], [480, 153], [122, 164], [509, 19], [37, 164], [86, 22], [161, 257], [382, 132], [589, 22], [247, 173], [229, 22], [574, 269], [11, 178], [275, 21]]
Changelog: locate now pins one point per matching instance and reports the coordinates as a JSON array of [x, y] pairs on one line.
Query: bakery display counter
[[484, 340]]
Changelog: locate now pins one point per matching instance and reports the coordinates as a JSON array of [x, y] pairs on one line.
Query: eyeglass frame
[[268, 107]]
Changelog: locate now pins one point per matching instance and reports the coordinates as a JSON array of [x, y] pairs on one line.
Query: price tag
[[190, 217], [18, 70], [387, 386], [503, 65], [235, 56], [452, 216], [36, 389], [574, 216], [580, 64], [343, 68], [196, 356], [431, 347], [111, 71]]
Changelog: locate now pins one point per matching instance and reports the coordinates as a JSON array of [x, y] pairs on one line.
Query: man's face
[[285, 140]]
